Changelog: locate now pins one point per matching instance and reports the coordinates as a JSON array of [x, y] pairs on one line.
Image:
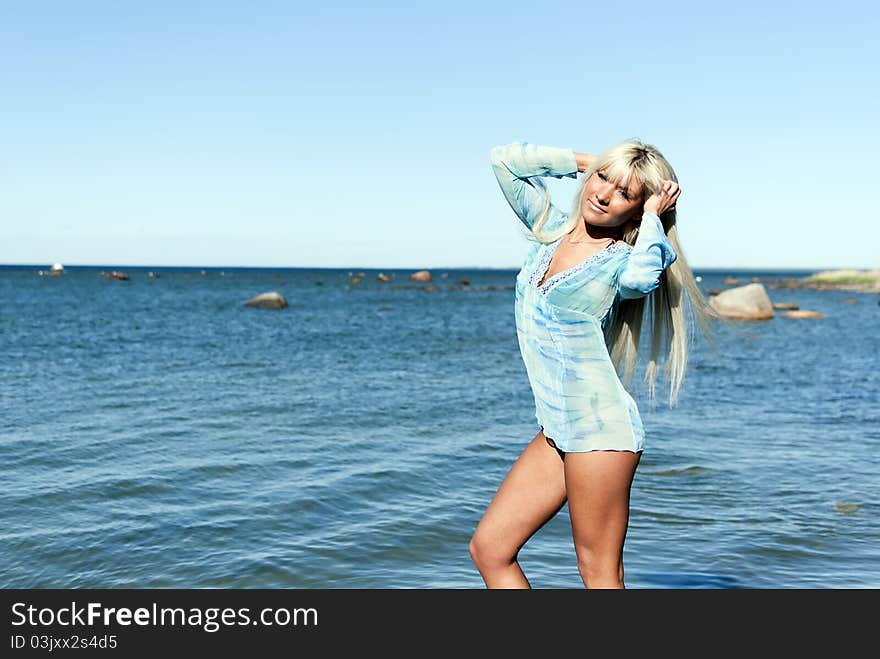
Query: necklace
[[581, 242]]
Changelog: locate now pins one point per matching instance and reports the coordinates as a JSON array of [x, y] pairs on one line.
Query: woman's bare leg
[[598, 486], [530, 495]]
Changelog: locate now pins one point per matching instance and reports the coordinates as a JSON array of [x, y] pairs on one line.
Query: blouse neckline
[[546, 258]]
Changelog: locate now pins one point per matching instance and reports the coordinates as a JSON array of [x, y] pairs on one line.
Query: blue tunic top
[[579, 399]]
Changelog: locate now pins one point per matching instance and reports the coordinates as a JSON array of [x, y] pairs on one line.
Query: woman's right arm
[[519, 165]]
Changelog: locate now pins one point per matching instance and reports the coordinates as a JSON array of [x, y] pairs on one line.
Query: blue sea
[[158, 433]]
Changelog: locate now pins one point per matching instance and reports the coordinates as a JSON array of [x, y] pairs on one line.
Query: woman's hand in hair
[[663, 200], [584, 160]]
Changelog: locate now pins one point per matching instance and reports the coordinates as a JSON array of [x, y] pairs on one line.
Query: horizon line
[[41, 266]]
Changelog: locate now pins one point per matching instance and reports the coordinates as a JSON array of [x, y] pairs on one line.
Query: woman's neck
[[584, 232]]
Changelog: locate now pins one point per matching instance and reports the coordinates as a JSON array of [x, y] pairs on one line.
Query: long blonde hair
[[675, 306]]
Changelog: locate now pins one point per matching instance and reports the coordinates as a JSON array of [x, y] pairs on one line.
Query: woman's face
[[607, 204]]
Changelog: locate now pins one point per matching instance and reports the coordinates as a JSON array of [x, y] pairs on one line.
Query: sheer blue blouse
[[580, 401]]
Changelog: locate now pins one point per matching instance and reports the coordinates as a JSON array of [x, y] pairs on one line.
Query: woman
[[580, 300]]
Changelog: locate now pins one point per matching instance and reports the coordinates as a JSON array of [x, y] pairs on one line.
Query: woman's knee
[[600, 570], [488, 554]]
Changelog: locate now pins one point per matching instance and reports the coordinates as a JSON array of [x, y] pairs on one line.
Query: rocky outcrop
[[421, 275], [749, 302], [859, 281], [270, 300]]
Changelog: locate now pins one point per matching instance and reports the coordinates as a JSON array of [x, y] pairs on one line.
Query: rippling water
[[157, 433]]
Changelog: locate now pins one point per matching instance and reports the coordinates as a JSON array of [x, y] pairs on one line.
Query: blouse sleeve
[[647, 260], [519, 165]]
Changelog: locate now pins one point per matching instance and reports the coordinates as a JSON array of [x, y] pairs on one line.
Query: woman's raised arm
[[650, 256], [584, 160], [518, 167]]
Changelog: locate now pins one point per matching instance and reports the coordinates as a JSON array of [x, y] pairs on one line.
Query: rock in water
[[803, 314], [115, 275], [270, 300], [749, 302], [421, 275]]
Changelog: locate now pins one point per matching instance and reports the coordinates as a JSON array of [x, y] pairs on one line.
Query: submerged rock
[[121, 276], [786, 305], [749, 302], [270, 300], [803, 314]]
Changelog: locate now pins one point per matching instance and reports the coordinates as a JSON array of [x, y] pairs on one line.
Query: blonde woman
[[581, 296]]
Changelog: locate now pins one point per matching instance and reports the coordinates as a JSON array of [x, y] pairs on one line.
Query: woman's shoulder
[[622, 248], [620, 253]]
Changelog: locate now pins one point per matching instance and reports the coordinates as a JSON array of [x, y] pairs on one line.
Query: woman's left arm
[[653, 252], [650, 256]]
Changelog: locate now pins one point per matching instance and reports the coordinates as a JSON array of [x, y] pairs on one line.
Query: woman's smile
[[595, 207]]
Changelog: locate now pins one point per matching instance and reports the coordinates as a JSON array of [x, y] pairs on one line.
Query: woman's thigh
[[530, 495], [598, 485]]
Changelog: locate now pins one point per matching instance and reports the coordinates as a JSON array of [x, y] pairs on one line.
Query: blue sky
[[343, 134]]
